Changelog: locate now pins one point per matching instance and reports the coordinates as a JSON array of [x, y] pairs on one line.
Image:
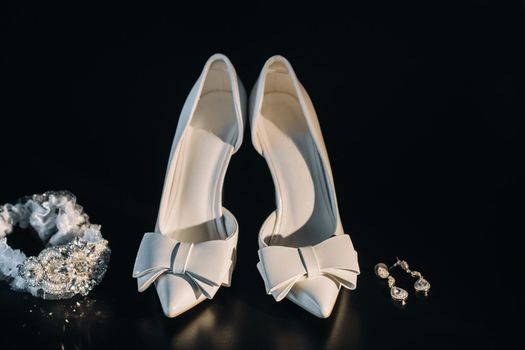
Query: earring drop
[[396, 293], [421, 285]]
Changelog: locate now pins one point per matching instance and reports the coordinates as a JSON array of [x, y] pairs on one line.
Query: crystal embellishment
[[422, 285], [32, 271], [398, 294], [60, 272], [381, 270]]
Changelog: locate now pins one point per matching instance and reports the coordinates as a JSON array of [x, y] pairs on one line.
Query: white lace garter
[[76, 257]]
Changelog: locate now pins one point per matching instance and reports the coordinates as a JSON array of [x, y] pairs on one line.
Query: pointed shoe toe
[[177, 295], [316, 295]]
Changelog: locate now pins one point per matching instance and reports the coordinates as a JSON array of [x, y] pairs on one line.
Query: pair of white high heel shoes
[[304, 254]]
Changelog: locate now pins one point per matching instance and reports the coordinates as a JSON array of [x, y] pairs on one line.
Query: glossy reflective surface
[[419, 108]]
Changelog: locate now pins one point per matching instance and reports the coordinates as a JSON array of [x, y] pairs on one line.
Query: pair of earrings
[[397, 293]]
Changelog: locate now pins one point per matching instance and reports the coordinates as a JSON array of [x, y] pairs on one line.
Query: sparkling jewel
[[422, 285], [56, 270], [382, 270], [391, 281], [398, 294], [32, 271]]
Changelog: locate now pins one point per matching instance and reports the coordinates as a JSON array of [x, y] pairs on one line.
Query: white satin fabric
[[282, 267], [191, 252], [305, 255]]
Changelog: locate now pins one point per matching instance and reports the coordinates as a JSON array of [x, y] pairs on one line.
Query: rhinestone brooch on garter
[[63, 271]]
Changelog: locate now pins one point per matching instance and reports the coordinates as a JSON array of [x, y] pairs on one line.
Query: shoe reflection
[[219, 334], [237, 324], [346, 326]]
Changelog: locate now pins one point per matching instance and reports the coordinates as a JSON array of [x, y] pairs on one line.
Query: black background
[[421, 106]]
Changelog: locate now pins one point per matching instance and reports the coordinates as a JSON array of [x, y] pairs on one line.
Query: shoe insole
[[304, 214], [193, 210]]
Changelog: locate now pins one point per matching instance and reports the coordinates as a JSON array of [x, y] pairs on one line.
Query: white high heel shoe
[[304, 254], [192, 251]]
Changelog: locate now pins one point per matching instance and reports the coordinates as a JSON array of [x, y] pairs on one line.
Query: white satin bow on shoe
[[304, 253], [282, 267], [192, 251]]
